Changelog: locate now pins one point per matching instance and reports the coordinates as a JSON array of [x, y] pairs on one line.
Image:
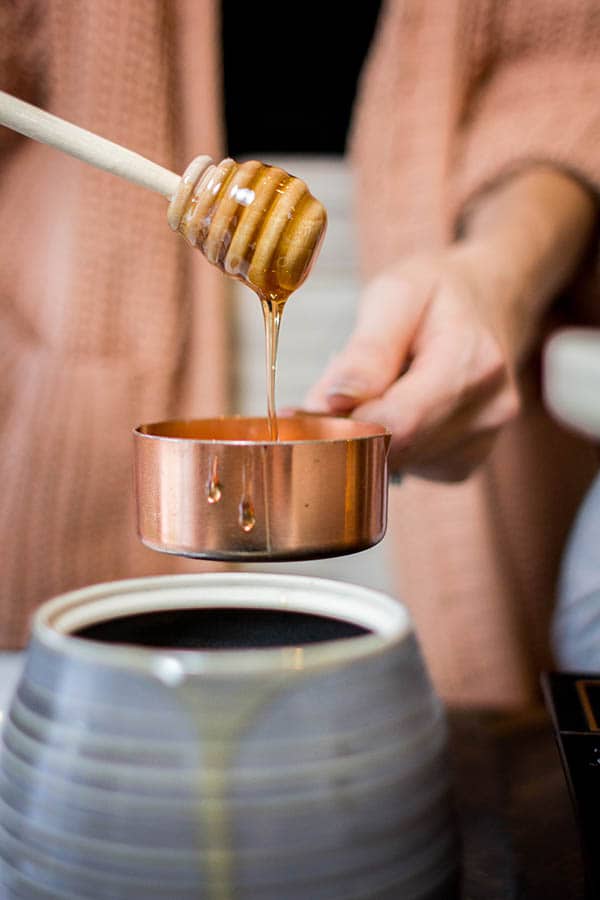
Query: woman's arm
[[532, 232], [439, 336]]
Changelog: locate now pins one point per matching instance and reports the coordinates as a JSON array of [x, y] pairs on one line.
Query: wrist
[[542, 220], [524, 241], [498, 276]]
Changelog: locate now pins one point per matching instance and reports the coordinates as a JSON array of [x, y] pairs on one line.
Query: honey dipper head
[[255, 222]]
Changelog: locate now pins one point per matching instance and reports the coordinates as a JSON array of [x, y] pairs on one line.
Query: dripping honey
[[262, 226], [272, 312]]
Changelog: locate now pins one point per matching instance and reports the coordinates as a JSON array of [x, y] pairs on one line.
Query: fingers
[[364, 368], [443, 426], [425, 360], [379, 348]]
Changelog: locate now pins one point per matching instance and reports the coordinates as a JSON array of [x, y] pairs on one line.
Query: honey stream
[[262, 226], [272, 307], [259, 225]]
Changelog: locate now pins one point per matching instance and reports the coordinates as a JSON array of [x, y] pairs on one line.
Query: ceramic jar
[[301, 772]]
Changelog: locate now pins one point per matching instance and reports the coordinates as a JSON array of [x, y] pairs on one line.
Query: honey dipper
[[255, 222]]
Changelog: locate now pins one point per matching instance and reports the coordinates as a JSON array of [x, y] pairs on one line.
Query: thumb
[[363, 370], [376, 352]]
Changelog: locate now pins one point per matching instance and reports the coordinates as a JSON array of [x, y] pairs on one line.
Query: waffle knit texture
[[107, 319], [455, 97]]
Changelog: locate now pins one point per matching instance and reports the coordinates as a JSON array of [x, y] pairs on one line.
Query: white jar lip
[[386, 620]]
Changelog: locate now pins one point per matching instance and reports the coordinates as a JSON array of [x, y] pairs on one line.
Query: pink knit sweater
[[456, 96], [107, 319]]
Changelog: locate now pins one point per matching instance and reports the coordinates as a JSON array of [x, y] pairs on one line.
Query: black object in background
[[290, 73], [574, 702]]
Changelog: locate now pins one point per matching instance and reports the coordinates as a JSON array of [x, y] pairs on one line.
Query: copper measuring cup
[[220, 489]]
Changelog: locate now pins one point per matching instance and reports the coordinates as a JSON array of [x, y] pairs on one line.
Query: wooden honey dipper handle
[[254, 222], [49, 129]]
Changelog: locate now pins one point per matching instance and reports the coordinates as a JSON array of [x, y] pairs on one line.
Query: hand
[[428, 360], [439, 337]]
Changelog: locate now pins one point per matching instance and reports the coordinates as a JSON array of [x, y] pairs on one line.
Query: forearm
[[530, 235]]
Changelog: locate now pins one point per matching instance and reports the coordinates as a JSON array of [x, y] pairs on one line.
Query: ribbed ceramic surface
[[273, 775]]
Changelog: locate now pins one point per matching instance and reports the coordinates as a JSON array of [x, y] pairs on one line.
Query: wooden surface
[[517, 827]]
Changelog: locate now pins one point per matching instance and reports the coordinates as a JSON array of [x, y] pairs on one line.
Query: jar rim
[[386, 620]]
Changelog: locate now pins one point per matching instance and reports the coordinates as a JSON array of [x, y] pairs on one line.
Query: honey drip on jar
[[257, 224]]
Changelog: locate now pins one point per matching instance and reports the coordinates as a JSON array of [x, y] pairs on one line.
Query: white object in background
[[572, 378], [576, 623], [572, 393]]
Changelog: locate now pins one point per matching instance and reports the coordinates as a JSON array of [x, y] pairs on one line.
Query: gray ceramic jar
[[314, 772]]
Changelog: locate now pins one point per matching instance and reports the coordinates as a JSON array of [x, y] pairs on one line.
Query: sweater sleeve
[[536, 100]]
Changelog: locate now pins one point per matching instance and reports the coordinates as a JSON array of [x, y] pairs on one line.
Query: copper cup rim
[[343, 429]]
